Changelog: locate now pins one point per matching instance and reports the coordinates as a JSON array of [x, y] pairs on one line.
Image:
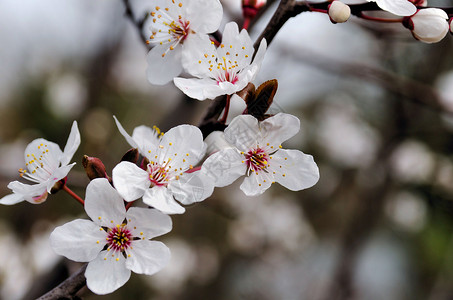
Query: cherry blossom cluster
[[171, 170]]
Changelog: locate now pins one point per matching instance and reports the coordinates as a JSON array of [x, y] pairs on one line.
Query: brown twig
[[68, 288], [138, 23]]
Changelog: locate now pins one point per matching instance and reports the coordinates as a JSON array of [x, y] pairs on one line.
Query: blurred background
[[376, 113]]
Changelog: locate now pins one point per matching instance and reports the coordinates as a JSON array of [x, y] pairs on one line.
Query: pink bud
[[251, 7]]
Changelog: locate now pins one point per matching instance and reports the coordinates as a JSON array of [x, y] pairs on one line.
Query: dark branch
[[138, 23], [68, 288]]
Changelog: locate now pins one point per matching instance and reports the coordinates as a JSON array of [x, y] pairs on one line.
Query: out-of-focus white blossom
[[46, 165]]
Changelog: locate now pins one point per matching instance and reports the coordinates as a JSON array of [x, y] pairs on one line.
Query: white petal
[[161, 198], [243, 132], [79, 240], [12, 199], [299, 169], [279, 128], [259, 56], [204, 15], [397, 7], [255, 185], [224, 167], [105, 276], [195, 47], [162, 69], [231, 35], [199, 89], [59, 174], [123, 132], [51, 156], [130, 181], [149, 221], [147, 257], [192, 187], [146, 139], [71, 145], [183, 145], [237, 107], [103, 204], [215, 141], [33, 193], [249, 72]]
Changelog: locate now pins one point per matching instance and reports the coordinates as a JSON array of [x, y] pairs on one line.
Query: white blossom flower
[[397, 7], [116, 242], [429, 25], [176, 26], [168, 175], [258, 155], [143, 137], [223, 70], [46, 164]]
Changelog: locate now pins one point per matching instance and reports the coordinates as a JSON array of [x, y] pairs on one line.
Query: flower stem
[[246, 23], [73, 195], [366, 17], [227, 109], [129, 204]]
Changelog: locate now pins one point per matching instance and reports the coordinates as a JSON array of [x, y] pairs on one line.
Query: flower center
[[119, 238], [158, 175], [257, 160], [225, 66], [40, 166], [167, 29]]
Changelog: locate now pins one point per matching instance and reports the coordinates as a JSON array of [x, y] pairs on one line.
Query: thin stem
[[68, 288], [73, 195], [324, 11], [129, 204], [246, 23], [370, 18], [227, 109]]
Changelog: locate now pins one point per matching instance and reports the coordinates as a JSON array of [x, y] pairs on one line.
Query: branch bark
[[68, 288]]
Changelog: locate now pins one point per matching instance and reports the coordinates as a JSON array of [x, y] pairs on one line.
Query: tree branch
[[68, 288]]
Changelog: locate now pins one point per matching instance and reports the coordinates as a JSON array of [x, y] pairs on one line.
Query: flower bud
[[338, 12], [419, 2], [251, 7], [428, 25], [131, 155], [94, 167], [57, 186]]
